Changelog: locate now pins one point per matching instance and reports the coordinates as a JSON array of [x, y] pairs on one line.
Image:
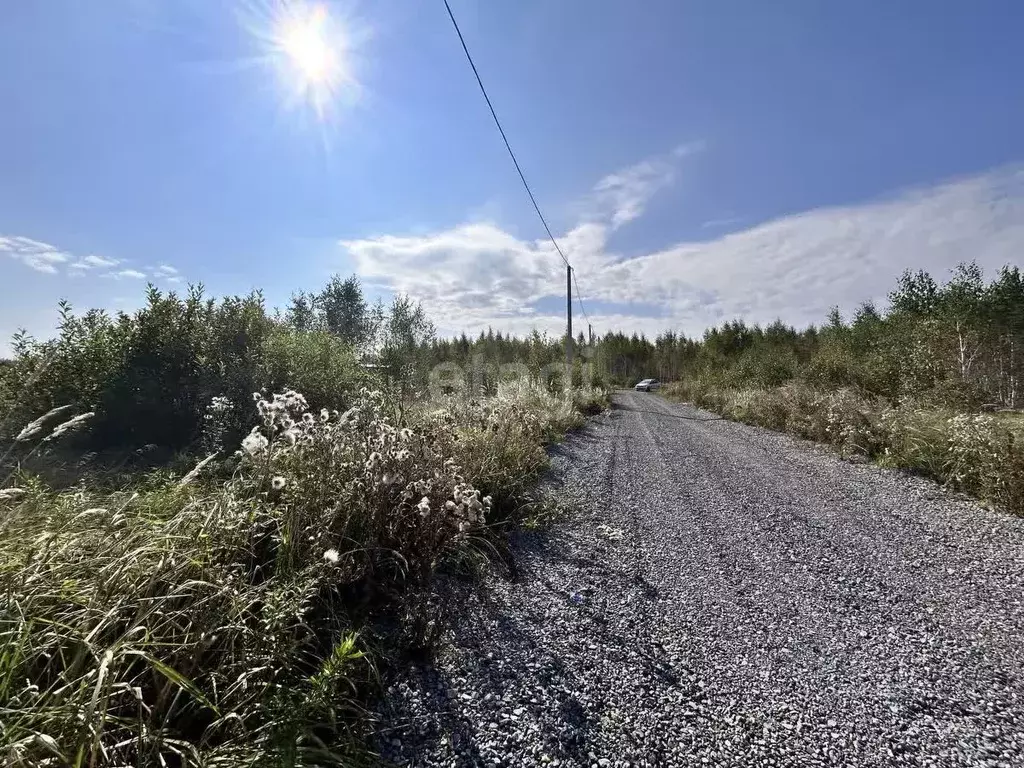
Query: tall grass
[[228, 617]]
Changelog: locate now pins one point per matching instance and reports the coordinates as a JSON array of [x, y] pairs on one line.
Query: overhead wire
[[504, 138], [515, 162]]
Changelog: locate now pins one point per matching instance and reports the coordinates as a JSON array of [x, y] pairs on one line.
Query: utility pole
[[568, 321], [590, 334]]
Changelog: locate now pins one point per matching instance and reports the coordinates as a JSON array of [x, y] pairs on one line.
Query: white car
[[647, 385]]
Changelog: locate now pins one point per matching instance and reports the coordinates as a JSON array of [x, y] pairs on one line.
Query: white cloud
[[472, 268], [794, 267], [482, 275], [130, 274], [621, 197], [34, 254], [94, 262], [798, 266], [689, 148], [50, 259]]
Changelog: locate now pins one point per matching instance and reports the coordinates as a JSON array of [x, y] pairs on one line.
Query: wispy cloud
[[621, 197], [52, 260], [37, 255], [94, 262], [794, 267], [798, 266], [127, 274]]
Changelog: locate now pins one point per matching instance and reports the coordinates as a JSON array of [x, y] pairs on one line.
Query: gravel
[[727, 596]]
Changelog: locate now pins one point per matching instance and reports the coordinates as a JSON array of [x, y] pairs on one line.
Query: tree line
[[151, 374], [959, 342]]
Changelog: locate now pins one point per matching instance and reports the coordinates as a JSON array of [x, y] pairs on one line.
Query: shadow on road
[[528, 672]]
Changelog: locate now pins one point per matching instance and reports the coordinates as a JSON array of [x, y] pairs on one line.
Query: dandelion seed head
[[277, 483], [254, 443], [331, 556]]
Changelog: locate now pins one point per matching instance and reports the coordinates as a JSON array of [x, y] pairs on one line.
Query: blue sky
[[696, 160]]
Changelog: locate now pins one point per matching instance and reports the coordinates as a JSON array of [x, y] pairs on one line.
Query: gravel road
[[728, 596]]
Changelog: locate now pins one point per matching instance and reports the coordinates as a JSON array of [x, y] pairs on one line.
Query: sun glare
[[304, 41], [312, 48]]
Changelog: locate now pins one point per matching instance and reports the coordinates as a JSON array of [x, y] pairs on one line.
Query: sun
[[312, 49], [303, 38]]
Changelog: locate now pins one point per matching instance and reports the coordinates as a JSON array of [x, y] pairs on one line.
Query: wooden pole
[[568, 325]]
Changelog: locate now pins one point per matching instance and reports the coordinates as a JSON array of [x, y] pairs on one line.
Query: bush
[[853, 423], [157, 627], [316, 363], [765, 368], [1010, 476], [986, 460], [151, 376], [831, 369], [590, 401], [202, 625]]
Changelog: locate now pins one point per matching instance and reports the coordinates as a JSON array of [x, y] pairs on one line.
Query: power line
[[505, 138], [515, 162]]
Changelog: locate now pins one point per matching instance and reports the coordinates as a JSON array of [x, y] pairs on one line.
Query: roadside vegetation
[[220, 525], [932, 384]]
